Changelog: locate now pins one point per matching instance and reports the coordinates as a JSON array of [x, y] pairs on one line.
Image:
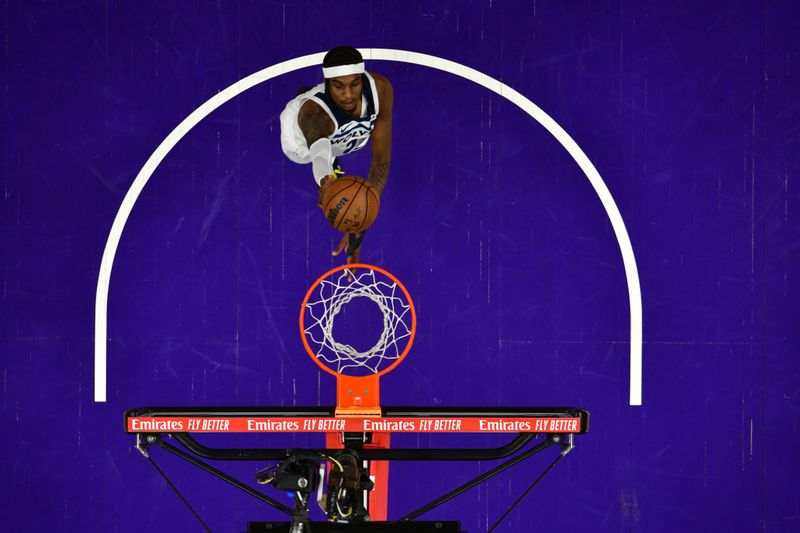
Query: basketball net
[[335, 293]]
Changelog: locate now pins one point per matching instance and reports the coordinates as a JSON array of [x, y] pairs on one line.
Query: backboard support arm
[[540, 427]]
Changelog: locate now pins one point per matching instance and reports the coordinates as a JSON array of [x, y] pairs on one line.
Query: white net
[[327, 302]]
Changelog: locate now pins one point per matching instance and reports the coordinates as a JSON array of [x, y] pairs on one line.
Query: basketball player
[[338, 117]]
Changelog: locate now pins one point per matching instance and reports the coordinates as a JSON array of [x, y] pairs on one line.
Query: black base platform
[[364, 527]]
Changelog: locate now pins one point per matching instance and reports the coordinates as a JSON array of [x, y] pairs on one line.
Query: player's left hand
[[352, 243]]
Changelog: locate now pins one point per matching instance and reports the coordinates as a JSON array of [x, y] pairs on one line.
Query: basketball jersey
[[350, 133]]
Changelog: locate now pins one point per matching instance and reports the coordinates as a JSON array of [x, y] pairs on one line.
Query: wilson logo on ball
[[335, 211]]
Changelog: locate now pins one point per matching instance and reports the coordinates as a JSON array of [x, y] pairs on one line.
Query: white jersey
[[350, 133]]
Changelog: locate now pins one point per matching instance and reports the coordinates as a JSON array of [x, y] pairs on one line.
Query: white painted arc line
[[626, 248], [629, 261], [112, 243]]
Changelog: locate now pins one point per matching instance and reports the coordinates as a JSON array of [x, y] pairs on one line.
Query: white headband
[[343, 70]]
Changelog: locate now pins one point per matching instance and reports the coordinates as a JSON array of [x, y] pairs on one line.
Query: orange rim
[[365, 266]]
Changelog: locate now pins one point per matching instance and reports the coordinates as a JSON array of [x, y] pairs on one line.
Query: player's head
[[342, 68]]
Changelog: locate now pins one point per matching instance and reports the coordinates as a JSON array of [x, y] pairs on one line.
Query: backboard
[[349, 475]]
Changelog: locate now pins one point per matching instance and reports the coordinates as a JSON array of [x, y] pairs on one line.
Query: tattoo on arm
[[378, 172], [381, 137], [315, 125]]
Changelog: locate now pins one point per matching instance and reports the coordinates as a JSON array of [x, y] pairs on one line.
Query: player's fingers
[[324, 184], [341, 246], [351, 259]]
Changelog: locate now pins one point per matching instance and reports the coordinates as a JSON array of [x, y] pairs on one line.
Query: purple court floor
[[687, 111]]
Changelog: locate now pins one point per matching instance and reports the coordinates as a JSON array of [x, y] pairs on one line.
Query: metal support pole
[[222, 475], [477, 481]]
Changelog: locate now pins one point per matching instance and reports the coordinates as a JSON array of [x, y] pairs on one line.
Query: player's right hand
[[324, 185]]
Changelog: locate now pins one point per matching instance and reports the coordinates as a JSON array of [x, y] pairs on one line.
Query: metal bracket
[[144, 441]]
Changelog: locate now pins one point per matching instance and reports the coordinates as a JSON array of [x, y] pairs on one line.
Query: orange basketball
[[351, 204]]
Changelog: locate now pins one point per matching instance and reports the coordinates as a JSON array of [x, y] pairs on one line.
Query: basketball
[[350, 204]]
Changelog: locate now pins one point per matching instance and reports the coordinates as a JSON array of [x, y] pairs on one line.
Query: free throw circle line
[[385, 54]]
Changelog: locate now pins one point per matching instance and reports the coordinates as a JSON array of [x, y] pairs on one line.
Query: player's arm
[[314, 122], [382, 135], [381, 138], [317, 127]]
